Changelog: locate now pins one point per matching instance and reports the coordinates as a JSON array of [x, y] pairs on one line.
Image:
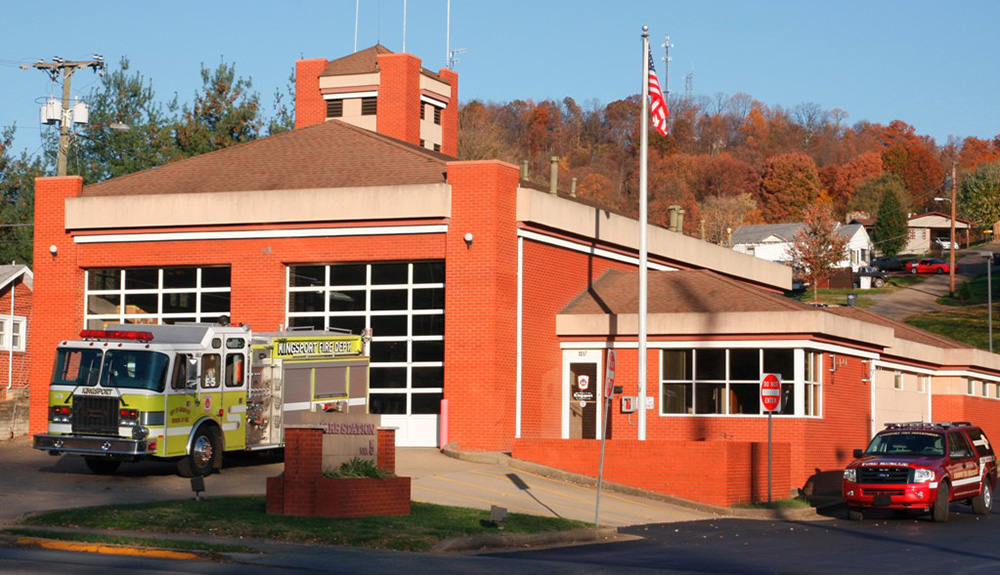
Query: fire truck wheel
[[982, 503], [855, 514], [200, 461], [102, 465], [940, 511]]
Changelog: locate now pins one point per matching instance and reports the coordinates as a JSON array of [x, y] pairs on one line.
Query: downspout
[[871, 384], [519, 366], [10, 350]]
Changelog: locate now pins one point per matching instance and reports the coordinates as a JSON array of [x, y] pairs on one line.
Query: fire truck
[[190, 392]]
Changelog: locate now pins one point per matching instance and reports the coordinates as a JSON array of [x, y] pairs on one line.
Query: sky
[[932, 64]]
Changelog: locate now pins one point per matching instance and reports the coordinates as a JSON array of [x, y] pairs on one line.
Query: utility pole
[[954, 197], [60, 69]]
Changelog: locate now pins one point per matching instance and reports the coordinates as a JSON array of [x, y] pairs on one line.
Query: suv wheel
[[982, 504], [855, 514], [940, 511]]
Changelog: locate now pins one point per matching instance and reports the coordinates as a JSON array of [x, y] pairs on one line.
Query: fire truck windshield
[[121, 368], [134, 369]]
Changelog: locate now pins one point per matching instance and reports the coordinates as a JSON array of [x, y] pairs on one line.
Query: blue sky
[[935, 65]]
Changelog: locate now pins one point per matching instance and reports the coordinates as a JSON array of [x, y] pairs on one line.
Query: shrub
[[357, 467]]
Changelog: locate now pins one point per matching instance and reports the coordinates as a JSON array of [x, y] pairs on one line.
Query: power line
[[61, 69]]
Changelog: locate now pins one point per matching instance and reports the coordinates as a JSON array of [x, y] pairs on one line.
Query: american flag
[[658, 106]]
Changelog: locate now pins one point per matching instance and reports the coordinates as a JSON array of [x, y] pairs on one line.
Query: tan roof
[[365, 62], [687, 291], [332, 154]]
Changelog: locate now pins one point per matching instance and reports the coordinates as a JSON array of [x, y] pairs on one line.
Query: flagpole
[[643, 160]]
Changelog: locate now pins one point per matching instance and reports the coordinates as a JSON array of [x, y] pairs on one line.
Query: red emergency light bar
[[116, 334]]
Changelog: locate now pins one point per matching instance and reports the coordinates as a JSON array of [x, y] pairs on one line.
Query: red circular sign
[[770, 392]]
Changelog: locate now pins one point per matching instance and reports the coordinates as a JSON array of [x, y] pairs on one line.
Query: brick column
[[310, 107], [399, 97], [387, 449], [449, 116], [481, 305], [303, 467], [57, 302]]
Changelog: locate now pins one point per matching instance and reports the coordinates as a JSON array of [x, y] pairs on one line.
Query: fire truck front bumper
[[93, 445]]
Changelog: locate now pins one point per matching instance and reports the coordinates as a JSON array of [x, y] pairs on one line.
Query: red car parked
[[929, 266], [922, 466]]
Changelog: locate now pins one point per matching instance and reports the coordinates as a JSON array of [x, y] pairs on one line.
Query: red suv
[[922, 466]]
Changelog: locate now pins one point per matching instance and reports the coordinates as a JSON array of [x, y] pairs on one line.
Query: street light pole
[[954, 193], [989, 296]]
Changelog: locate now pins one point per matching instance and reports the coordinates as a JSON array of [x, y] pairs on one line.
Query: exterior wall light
[[468, 239], [53, 249]]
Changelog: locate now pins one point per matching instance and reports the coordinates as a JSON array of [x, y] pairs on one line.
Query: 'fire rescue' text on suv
[[922, 466]]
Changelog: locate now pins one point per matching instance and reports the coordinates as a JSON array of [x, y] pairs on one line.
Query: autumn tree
[[722, 214], [224, 113], [479, 136], [817, 247], [890, 231], [869, 195], [979, 195], [849, 176], [789, 183]]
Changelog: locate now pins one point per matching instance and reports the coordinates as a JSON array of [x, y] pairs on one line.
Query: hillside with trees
[[732, 159]]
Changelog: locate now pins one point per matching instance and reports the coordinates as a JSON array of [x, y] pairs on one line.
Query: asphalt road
[[887, 544]]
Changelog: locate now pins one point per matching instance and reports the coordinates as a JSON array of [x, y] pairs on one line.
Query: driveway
[[921, 298], [34, 481]]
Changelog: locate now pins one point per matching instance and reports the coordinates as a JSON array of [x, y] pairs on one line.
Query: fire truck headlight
[[139, 432]]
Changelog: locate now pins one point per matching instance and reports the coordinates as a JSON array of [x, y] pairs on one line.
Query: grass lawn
[[971, 292], [244, 517], [966, 324]]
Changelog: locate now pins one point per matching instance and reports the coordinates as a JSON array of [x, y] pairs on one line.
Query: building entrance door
[[581, 394]]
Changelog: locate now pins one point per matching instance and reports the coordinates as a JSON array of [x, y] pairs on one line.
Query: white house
[[773, 242]]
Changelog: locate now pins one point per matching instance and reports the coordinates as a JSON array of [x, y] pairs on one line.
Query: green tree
[[817, 246], [226, 112], [17, 201], [283, 119], [979, 195], [870, 192], [128, 131], [889, 233]]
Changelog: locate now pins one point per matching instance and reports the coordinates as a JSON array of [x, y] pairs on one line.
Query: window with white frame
[[719, 381], [157, 295], [971, 387], [986, 389], [922, 382], [897, 381], [403, 304], [12, 333]]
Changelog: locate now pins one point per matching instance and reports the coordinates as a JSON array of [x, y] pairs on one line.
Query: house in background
[[773, 242], [932, 231], [16, 287]]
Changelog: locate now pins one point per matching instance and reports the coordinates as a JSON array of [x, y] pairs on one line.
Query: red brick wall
[[716, 472], [17, 363], [480, 305], [399, 97], [258, 276], [387, 449], [310, 107], [552, 277], [981, 411], [449, 116], [57, 304]]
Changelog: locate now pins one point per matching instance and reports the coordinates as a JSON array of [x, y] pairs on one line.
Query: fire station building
[[493, 303]]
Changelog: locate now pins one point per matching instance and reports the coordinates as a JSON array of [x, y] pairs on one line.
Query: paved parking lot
[[34, 481]]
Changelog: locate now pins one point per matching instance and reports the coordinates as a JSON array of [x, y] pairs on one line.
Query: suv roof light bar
[[925, 424]]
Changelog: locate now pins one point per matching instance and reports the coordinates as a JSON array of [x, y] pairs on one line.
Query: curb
[[521, 540], [504, 460], [106, 548]]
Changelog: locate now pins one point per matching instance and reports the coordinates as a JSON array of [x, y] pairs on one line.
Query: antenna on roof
[[404, 26], [357, 9]]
